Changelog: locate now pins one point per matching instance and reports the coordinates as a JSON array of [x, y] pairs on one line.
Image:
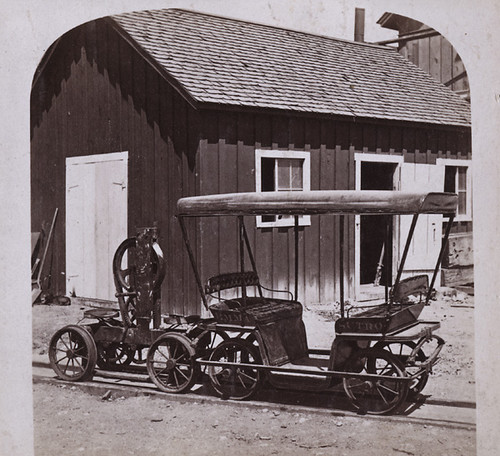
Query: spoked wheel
[[171, 363], [376, 395], [140, 355], [124, 269], [235, 382], [402, 351], [114, 355], [209, 341], [73, 353]]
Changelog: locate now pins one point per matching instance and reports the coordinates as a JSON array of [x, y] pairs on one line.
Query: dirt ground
[[68, 421]]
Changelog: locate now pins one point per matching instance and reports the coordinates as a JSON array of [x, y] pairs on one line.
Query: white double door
[[96, 221], [426, 243]]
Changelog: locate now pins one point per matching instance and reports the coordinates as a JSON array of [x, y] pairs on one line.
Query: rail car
[[380, 354]]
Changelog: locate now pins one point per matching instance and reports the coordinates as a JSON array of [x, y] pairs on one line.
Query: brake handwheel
[[124, 269], [124, 273]]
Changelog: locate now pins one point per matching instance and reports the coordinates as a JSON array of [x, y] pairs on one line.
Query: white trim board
[[98, 158]]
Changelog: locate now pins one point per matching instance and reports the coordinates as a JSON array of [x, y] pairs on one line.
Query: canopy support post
[[388, 231], [250, 255], [193, 262], [440, 258], [406, 249], [296, 232], [341, 260], [242, 253]]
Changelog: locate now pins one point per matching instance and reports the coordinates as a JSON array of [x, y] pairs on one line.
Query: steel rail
[[325, 373]]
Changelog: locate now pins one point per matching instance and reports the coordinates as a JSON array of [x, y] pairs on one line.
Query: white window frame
[[304, 220], [457, 163]]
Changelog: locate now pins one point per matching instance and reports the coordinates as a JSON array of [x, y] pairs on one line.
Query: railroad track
[[135, 382]]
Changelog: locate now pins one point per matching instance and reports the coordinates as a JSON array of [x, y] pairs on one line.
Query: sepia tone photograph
[[252, 232]]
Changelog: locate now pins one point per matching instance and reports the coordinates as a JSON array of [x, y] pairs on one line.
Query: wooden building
[[132, 112], [428, 49]]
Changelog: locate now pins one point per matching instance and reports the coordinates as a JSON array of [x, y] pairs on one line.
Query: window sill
[[304, 220]]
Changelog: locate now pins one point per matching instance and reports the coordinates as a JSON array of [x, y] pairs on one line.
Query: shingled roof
[[232, 62]]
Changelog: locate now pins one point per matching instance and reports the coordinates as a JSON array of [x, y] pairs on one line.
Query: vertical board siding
[[98, 95], [327, 239], [435, 57], [264, 236], [446, 56], [331, 167], [228, 182]]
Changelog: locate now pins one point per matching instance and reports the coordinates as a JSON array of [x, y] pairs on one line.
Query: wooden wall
[[438, 57], [97, 95], [227, 164]]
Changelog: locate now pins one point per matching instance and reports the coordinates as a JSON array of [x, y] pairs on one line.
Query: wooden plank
[[441, 143], [90, 122], [135, 167], [457, 276], [403, 50], [264, 236], [327, 157], [163, 206], [125, 83], [451, 142], [193, 135], [279, 129], [435, 57], [296, 133], [356, 136], [433, 145], [246, 153], [263, 132], [463, 141], [350, 220], [458, 68], [409, 144], [58, 198], [100, 107], [281, 261], [420, 145], [383, 138], [309, 266], [246, 170], [113, 72], [396, 138], [78, 105], [173, 189], [228, 183], [209, 184], [280, 254], [414, 53], [264, 255], [446, 60], [370, 137], [186, 172], [148, 145], [327, 225], [423, 54], [459, 251], [341, 183]]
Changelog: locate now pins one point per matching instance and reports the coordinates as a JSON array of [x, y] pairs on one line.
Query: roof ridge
[[261, 24], [233, 62]]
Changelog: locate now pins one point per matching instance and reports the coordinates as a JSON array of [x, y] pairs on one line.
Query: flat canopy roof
[[318, 202]]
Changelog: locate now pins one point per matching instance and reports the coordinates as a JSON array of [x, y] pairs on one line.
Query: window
[[457, 179], [281, 171]]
